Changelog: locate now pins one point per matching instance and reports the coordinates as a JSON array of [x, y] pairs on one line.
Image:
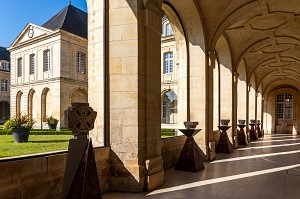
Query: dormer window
[[46, 60], [168, 62], [169, 30]]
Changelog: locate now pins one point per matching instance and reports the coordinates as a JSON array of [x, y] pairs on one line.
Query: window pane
[[80, 62], [169, 30], [19, 67], [168, 62], [32, 63], [284, 106], [46, 60]]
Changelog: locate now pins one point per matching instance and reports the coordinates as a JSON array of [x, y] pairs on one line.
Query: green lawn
[[35, 144]]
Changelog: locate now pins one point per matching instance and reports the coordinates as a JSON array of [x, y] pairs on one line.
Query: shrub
[[17, 122]]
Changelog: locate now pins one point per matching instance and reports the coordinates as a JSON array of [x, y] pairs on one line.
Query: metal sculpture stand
[[253, 133], [190, 156], [242, 138], [224, 145], [81, 178]]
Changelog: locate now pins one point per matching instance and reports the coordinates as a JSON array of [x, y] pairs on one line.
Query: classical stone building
[[169, 77], [237, 60], [4, 78], [49, 66]]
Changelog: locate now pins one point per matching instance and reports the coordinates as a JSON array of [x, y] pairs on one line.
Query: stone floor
[[267, 168]]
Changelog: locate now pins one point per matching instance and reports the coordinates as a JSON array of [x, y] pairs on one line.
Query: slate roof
[[70, 19], [4, 54]]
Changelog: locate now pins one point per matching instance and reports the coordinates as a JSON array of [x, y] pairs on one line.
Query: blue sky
[[15, 14]]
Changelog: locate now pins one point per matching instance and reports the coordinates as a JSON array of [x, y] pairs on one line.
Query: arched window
[[284, 106], [169, 108], [168, 62], [169, 30]]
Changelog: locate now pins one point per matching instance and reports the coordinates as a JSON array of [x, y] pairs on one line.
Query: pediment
[[29, 33]]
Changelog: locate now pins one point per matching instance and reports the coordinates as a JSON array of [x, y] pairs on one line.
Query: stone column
[[211, 60], [134, 64], [234, 109]]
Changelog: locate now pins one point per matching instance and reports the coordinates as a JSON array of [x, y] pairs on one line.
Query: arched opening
[[252, 98], [30, 103], [169, 109], [44, 105], [4, 111], [284, 112], [18, 100], [216, 93], [226, 84], [173, 71], [79, 95], [242, 92]]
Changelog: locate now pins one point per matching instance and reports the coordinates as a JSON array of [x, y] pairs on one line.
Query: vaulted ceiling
[[265, 34]]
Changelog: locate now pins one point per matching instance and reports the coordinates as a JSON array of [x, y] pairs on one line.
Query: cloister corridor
[[266, 168]]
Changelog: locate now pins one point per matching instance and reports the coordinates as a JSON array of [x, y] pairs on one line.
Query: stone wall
[[42, 177]]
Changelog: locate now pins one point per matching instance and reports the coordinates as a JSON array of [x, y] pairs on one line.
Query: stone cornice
[[56, 79]]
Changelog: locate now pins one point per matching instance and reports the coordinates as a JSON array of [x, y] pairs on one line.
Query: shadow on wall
[[121, 177]]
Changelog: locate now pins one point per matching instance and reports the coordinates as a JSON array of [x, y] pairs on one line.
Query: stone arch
[[169, 107], [44, 104], [30, 102], [274, 125], [18, 102], [4, 110], [226, 84], [78, 95]]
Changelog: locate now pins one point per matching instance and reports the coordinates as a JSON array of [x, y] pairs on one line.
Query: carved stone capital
[[80, 118]]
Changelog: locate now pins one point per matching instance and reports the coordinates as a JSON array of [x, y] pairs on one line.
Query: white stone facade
[[42, 89]]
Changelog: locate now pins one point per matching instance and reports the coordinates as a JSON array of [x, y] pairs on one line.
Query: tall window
[[169, 30], [80, 62], [46, 60], [32, 63], [4, 85], [284, 106], [164, 110], [168, 62], [19, 63]]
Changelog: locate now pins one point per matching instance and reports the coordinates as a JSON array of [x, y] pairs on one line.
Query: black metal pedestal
[[224, 145], [242, 138], [253, 133], [259, 133], [190, 156]]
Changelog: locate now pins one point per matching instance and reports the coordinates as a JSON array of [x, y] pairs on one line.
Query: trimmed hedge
[[168, 132], [44, 132]]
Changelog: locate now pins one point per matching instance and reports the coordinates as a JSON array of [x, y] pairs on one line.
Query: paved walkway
[[267, 168]]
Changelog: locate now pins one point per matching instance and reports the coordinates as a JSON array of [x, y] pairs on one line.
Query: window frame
[[168, 63], [4, 85], [81, 62], [19, 66], [47, 60], [284, 106], [32, 64], [169, 30]]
